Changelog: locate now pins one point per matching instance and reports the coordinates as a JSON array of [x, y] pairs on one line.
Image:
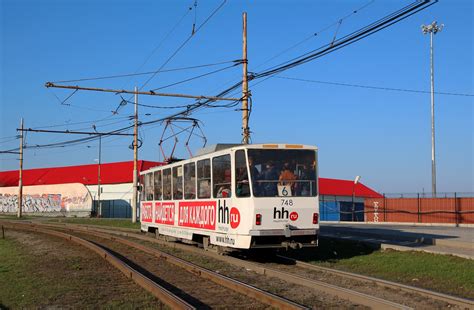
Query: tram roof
[[223, 148]]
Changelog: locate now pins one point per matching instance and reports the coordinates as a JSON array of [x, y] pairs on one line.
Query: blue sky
[[384, 136]]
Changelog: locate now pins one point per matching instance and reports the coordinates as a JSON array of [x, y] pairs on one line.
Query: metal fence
[[450, 208], [430, 195]]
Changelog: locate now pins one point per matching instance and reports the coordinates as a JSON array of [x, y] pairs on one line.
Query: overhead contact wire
[[143, 73], [183, 44], [345, 41], [197, 77], [375, 87]]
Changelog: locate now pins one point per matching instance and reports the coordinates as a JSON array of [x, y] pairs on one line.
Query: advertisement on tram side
[[147, 212], [197, 214], [164, 213]]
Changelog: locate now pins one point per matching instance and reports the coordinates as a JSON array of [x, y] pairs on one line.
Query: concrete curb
[[396, 236], [401, 224], [385, 246], [454, 244]]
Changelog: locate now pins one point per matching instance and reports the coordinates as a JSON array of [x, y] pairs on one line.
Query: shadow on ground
[[386, 234], [329, 250]]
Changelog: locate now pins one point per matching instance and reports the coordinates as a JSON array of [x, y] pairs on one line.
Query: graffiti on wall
[[41, 203], [75, 203]]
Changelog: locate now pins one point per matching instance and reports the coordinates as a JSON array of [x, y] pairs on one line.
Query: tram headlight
[[258, 219], [315, 218]]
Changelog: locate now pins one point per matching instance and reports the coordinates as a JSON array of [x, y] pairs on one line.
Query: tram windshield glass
[[282, 173]]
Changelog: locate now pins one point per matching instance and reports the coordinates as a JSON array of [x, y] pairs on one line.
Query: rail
[[154, 288], [461, 302], [235, 285], [343, 293]]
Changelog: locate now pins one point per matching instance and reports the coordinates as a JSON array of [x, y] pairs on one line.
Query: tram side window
[[242, 187], [204, 178], [190, 181], [157, 185], [221, 176], [178, 182], [149, 186], [142, 192], [167, 184]]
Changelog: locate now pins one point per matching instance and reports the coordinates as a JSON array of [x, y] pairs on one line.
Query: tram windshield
[[282, 173]]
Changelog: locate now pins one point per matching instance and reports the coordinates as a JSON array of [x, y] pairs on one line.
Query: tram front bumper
[[284, 238], [287, 232]]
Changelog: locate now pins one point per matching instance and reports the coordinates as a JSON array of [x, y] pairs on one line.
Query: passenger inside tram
[[224, 192], [242, 179], [270, 176], [286, 184], [205, 189], [287, 177], [291, 170]]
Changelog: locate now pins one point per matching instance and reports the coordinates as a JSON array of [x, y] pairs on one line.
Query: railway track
[[339, 292], [163, 294], [448, 299], [461, 302], [354, 296]]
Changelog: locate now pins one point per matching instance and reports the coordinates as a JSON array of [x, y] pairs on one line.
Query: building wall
[[61, 199], [339, 208], [112, 191], [115, 199]]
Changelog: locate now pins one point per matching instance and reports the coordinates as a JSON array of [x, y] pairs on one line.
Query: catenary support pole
[[245, 86], [99, 205], [135, 161], [20, 178]]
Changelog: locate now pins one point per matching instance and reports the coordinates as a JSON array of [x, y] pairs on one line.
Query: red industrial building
[[72, 191]]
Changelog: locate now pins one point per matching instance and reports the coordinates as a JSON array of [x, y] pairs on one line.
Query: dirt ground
[[300, 294], [305, 295], [57, 274], [201, 293]]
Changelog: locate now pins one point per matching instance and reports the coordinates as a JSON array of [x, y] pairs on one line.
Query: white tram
[[236, 196]]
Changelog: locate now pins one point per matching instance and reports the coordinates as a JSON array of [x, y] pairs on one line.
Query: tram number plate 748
[[287, 202]]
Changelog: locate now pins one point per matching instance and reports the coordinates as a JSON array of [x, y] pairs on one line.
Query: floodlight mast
[[432, 29]]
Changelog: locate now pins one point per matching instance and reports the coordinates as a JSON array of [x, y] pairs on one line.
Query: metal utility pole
[[99, 203], [356, 181], [20, 179], [245, 85], [432, 29], [98, 176], [135, 161]]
